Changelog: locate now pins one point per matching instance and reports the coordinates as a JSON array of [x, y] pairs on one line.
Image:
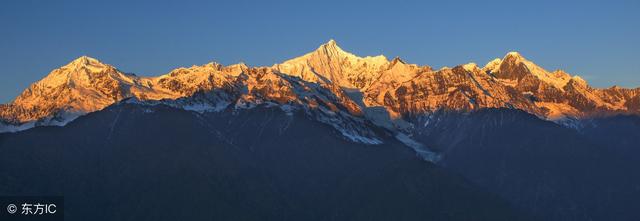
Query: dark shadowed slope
[[132, 162], [552, 171]]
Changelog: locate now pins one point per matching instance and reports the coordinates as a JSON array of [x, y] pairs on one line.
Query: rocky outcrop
[[328, 79]]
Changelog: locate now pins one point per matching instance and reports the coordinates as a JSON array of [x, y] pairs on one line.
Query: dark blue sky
[[597, 40]]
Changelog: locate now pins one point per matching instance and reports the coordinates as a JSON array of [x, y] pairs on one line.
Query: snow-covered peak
[[82, 86], [514, 57], [492, 66], [372, 85], [470, 66], [331, 49], [514, 66], [332, 65], [85, 62], [81, 71], [331, 44], [397, 60]]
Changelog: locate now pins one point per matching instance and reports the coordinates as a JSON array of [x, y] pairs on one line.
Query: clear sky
[[596, 40]]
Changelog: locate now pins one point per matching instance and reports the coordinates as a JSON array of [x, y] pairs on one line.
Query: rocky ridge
[[349, 92]]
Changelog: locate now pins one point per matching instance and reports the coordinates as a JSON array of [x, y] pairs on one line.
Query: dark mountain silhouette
[[137, 162], [328, 136], [555, 172]]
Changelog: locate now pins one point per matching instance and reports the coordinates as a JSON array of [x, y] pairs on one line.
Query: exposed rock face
[[558, 94], [82, 86], [511, 82], [329, 63], [455, 89], [86, 85], [328, 78], [544, 168]]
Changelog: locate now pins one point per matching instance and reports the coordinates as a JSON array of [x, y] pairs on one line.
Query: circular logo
[[11, 208]]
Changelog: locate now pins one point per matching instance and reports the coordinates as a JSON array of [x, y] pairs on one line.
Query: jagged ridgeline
[[326, 136], [348, 92]]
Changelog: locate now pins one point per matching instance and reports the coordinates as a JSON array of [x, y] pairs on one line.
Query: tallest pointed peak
[[331, 44], [332, 49]]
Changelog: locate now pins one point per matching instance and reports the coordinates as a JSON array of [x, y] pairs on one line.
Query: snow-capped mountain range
[[351, 93]]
